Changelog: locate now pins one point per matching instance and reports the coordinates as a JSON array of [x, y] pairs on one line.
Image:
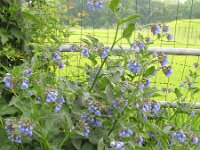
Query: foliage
[[114, 108]]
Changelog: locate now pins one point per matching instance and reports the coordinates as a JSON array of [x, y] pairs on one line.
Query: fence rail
[[173, 51]]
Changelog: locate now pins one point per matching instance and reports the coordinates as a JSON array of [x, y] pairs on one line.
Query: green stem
[[102, 64], [112, 127], [63, 141]]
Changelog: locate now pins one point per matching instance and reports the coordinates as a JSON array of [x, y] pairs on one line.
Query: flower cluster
[[59, 104], [95, 4], [24, 85], [144, 84], [26, 128], [138, 45], [117, 144], [134, 67], [51, 96], [125, 132], [105, 52], [117, 103], [27, 72], [162, 59], [148, 106], [17, 129], [155, 29], [179, 135], [57, 58], [7, 80]]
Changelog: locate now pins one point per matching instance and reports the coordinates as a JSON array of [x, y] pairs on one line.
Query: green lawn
[[187, 36]]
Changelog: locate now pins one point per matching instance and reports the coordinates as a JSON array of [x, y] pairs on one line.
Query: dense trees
[[150, 11]]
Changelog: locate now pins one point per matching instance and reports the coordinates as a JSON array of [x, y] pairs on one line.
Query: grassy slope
[[187, 35]]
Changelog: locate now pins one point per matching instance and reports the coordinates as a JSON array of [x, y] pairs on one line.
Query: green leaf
[[129, 18], [113, 5], [93, 39], [7, 110], [85, 41], [149, 71], [127, 33], [92, 58], [77, 143], [178, 92], [16, 33], [8, 146], [100, 144], [87, 146], [3, 35]]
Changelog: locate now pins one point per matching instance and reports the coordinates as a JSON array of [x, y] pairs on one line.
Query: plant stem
[[102, 64], [63, 141]]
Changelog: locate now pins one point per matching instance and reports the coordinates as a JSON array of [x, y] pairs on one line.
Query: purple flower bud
[[169, 37], [104, 54], [148, 39], [27, 72], [195, 140], [24, 85], [99, 4], [56, 56], [85, 52], [134, 67], [165, 28], [91, 5], [140, 141], [61, 65]]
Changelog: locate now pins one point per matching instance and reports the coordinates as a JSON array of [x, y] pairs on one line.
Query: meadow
[[186, 34]]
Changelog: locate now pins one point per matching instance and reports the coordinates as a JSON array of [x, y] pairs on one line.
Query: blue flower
[[164, 61], [167, 71], [51, 96], [99, 4], [165, 28], [91, 5], [182, 84], [24, 85], [195, 140], [15, 138], [27, 72], [85, 52], [169, 37], [134, 67], [191, 85], [140, 88], [61, 65], [7, 80], [148, 39], [179, 135], [97, 113], [56, 56], [117, 144], [125, 132], [140, 141], [147, 83], [155, 108], [86, 130], [26, 129], [96, 123], [115, 104], [104, 54], [155, 29]]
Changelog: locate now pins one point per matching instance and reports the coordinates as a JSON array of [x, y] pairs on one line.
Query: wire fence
[[183, 51]]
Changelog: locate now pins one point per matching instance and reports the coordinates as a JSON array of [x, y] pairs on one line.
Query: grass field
[[186, 35]]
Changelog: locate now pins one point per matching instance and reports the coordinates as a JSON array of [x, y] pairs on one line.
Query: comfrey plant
[[113, 107]]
